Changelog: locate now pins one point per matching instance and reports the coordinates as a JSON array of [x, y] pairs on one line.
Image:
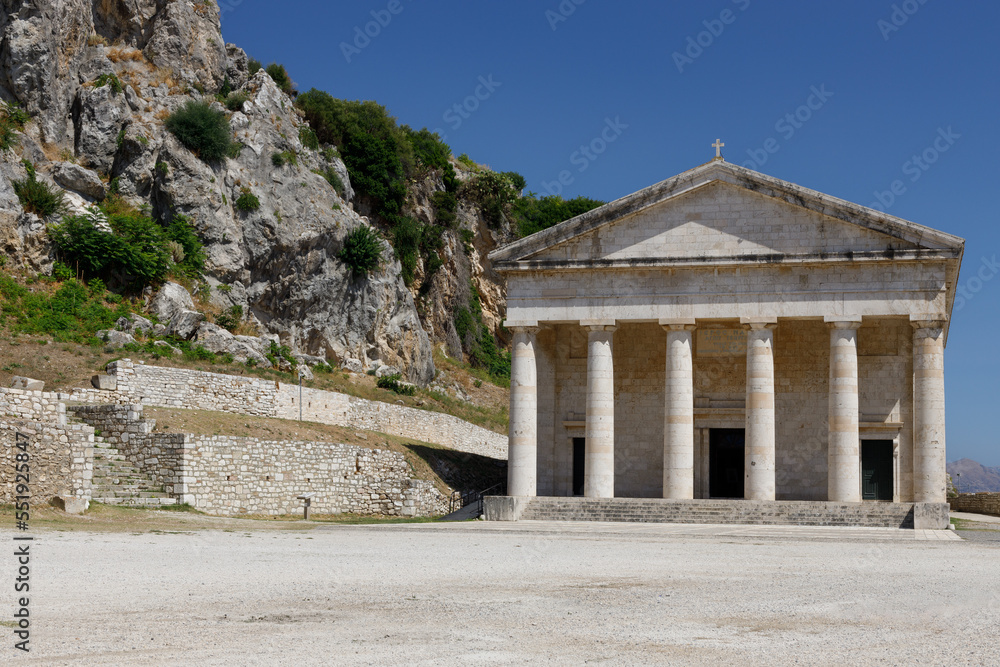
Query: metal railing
[[459, 499]]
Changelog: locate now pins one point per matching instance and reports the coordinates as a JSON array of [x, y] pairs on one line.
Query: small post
[[307, 497], [300, 403], [958, 483]]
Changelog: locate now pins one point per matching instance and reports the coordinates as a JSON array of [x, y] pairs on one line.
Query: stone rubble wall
[[977, 503], [199, 390], [233, 475], [39, 406], [61, 460], [230, 475]]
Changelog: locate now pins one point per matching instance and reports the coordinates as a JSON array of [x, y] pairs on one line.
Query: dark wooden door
[[579, 464], [876, 469], [726, 451]]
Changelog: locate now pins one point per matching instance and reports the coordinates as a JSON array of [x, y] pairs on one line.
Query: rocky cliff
[[279, 262]]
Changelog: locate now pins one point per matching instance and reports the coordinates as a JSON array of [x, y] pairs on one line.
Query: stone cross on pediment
[[718, 148]]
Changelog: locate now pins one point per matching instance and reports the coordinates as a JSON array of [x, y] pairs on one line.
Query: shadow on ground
[[460, 470]]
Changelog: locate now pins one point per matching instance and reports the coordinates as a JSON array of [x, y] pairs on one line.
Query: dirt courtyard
[[507, 594]]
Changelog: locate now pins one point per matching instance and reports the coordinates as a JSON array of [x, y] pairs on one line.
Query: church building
[[725, 334]]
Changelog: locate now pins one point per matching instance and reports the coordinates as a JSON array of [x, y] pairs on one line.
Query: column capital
[[528, 329], [675, 324], [598, 325], [918, 322], [519, 324], [758, 323], [842, 321]]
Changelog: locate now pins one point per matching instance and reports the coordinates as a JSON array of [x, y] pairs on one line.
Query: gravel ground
[[468, 593]]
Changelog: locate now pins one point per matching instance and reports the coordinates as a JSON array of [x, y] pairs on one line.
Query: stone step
[[894, 515], [136, 502]]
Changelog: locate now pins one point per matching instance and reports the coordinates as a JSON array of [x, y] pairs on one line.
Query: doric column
[[929, 476], [522, 450], [599, 475], [759, 464], [843, 449], [678, 412]]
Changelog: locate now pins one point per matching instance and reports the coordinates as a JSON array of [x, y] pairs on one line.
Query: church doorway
[[876, 470], [726, 452], [579, 464]]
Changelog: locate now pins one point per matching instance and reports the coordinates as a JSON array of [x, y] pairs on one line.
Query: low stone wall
[[977, 503], [33, 405], [199, 390], [60, 460], [184, 388], [329, 407], [231, 475]]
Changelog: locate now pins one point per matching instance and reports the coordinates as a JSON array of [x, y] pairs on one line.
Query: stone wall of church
[[640, 361], [801, 383]]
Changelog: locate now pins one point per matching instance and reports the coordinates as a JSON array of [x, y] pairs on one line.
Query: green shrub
[[333, 179], [111, 80], [36, 196], [533, 214], [226, 88], [62, 272], [283, 158], [162, 168], [407, 234], [201, 129], [468, 161], [308, 138], [362, 250], [12, 120], [280, 76], [247, 201], [137, 250], [235, 101], [494, 193], [478, 341], [254, 66], [433, 152], [445, 208], [393, 383], [231, 318]]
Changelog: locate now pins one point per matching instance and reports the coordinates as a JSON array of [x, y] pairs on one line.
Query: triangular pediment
[[722, 211]]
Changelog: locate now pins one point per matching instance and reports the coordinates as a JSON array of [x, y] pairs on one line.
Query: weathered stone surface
[[29, 384], [171, 299], [74, 177], [104, 382], [216, 339], [185, 323], [115, 339], [71, 504]]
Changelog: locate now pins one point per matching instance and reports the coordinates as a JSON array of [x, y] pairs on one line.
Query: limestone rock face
[[75, 177], [278, 262]]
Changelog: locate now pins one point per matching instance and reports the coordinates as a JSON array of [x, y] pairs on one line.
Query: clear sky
[[850, 98]]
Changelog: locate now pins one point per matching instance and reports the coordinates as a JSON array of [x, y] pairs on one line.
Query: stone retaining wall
[[199, 390], [33, 405], [230, 475], [977, 503], [60, 460]]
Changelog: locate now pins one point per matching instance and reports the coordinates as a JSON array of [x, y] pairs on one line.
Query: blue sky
[[839, 97]]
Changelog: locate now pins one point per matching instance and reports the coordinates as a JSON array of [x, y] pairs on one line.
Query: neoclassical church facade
[[726, 334]]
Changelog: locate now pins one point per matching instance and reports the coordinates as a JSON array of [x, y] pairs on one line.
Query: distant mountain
[[975, 476]]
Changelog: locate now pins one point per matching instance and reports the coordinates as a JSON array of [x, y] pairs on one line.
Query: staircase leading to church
[[781, 512]]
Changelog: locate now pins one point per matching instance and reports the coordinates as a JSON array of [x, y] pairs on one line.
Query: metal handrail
[[458, 500]]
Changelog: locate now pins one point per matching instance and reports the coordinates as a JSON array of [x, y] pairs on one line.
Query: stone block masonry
[[61, 460], [228, 475], [199, 390], [977, 503]]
